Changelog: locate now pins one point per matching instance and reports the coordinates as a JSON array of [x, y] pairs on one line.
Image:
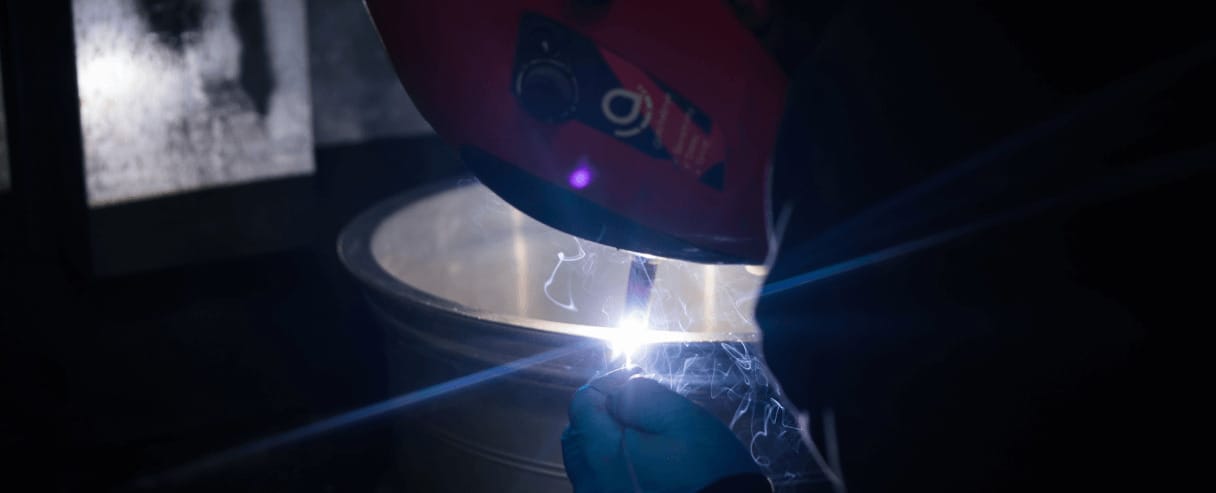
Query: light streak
[[655, 330], [707, 351], [1146, 175], [1152, 78], [307, 432]]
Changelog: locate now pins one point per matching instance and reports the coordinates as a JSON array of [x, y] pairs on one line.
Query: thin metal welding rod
[[637, 289]]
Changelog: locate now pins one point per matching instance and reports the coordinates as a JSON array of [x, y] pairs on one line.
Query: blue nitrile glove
[[630, 434]]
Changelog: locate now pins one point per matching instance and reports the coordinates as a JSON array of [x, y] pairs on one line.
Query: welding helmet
[[647, 126]]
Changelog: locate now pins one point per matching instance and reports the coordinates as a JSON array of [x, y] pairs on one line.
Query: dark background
[[143, 372], [109, 377], [239, 323]]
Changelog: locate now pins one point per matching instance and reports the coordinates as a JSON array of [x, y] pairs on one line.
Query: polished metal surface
[[462, 283], [466, 247]]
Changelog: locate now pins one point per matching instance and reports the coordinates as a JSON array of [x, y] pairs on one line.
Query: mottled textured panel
[[356, 94], [181, 95]]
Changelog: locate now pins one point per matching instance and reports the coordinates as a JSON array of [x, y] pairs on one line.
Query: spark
[[732, 375], [739, 355], [630, 336], [832, 472]]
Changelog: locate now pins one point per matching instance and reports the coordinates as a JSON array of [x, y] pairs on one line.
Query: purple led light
[[581, 176]]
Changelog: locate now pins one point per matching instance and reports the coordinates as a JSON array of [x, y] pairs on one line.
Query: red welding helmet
[[645, 125]]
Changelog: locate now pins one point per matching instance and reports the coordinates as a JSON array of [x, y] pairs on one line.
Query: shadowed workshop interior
[[237, 257]]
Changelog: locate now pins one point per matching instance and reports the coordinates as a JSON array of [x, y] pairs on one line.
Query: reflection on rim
[[461, 249]]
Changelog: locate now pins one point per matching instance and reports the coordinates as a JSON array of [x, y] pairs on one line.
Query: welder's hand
[[631, 434]]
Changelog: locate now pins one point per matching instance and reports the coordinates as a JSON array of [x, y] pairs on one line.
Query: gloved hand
[[630, 434]]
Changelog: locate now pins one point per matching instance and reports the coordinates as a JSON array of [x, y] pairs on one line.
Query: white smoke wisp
[[695, 332], [562, 259], [731, 380]]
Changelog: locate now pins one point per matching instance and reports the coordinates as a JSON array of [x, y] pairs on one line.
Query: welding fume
[[890, 178]]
